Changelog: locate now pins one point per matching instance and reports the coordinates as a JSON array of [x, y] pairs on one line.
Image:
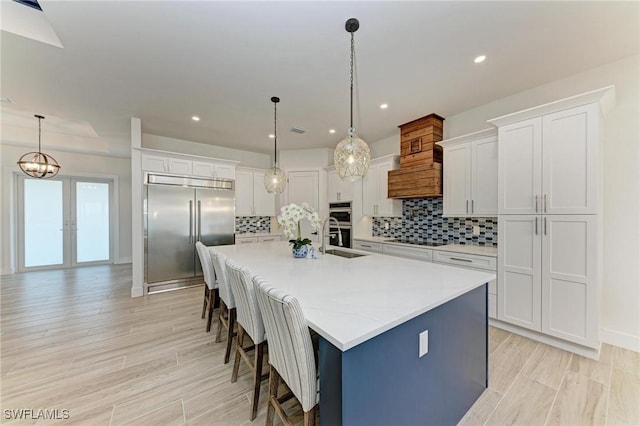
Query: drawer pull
[[461, 260], [364, 245]]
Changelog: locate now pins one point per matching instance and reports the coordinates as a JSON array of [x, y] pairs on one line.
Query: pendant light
[[38, 164], [274, 178], [351, 157]]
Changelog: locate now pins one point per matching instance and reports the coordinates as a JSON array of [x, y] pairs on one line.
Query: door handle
[[536, 203], [461, 260], [190, 221], [466, 210], [199, 219], [471, 206], [544, 203], [545, 225], [536, 226]]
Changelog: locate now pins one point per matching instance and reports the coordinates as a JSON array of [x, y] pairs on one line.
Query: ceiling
[[165, 61]]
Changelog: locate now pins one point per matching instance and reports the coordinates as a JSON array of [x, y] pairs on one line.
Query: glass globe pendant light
[[38, 164], [274, 178], [352, 155]]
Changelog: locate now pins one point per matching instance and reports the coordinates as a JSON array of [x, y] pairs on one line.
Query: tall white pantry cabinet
[[549, 219]]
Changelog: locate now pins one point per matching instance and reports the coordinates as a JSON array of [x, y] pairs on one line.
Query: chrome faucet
[[323, 247]]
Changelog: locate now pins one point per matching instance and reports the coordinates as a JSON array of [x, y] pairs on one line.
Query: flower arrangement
[[290, 218]]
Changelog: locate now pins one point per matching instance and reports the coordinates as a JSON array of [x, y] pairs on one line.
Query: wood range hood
[[420, 173]]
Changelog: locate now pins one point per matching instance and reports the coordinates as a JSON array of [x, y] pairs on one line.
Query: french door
[[64, 222]]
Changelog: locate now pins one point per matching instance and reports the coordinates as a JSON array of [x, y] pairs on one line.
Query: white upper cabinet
[[570, 161], [375, 188], [471, 174], [156, 163], [520, 167], [181, 164], [549, 163], [252, 199], [338, 189]]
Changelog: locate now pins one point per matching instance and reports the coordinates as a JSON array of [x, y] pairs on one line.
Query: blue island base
[[384, 382]]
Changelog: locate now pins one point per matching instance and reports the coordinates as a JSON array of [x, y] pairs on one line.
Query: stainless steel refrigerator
[[180, 211]]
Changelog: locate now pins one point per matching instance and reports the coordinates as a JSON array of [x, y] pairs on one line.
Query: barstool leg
[[232, 323]]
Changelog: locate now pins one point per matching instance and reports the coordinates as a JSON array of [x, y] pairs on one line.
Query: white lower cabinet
[[269, 238], [416, 253], [547, 270], [252, 239], [367, 246], [246, 240], [474, 262]]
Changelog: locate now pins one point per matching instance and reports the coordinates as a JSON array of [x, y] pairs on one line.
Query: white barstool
[[227, 311], [249, 323], [291, 353], [211, 286]]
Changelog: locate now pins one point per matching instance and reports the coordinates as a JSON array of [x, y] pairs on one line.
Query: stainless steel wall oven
[[342, 213]]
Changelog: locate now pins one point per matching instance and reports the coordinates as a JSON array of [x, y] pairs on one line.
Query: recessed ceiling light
[[479, 59], [384, 106], [332, 131], [271, 136], [195, 118]]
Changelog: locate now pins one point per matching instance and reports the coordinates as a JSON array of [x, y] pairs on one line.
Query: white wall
[[73, 164], [620, 320], [246, 158]]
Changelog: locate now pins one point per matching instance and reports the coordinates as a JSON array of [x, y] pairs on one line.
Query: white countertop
[[348, 301], [459, 248]]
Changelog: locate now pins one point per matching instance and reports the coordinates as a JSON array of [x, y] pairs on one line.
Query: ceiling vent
[[298, 130], [5, 100]]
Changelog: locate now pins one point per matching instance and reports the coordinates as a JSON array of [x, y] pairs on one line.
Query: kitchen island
[[369, 312]]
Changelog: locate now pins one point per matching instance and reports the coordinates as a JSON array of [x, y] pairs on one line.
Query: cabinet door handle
[[338, 196], [364, 245], [544, 203], [466, 210], [545, 225], [471, 206], [199, 221], [461, 260], [536, 203], [536, 226], [190, 221]]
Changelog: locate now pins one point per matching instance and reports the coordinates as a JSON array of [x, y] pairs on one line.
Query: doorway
[[64, 222]]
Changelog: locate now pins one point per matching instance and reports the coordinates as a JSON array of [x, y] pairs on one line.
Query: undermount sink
[[342, 253]]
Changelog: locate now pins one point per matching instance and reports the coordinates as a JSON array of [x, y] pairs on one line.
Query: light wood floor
[[74, 340]]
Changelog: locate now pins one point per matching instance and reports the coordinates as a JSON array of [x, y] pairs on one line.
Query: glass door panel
[[44, 224], [92, 222]]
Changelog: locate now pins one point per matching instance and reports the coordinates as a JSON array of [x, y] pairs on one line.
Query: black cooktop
[[416, 242]]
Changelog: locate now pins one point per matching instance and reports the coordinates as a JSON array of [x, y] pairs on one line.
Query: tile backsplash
[[253, 224], [422, 220]]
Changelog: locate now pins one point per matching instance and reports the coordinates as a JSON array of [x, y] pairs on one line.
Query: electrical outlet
[[424, 343], [386, 225], [258, 223], [476, 230]]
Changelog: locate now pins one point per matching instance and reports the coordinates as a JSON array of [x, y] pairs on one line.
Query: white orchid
[[289, 219]]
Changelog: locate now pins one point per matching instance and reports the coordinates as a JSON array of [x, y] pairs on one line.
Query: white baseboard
[[123, 260], [592, 353], [618, 338]]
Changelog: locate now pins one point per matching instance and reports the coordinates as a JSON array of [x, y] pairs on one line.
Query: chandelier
[[351, 157], [38, 164]]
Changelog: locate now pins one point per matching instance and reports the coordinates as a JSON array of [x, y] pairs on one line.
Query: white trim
[[549, 340], [123, 260], [620, 339], [185, 156], [605, 96], [489, 134]]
